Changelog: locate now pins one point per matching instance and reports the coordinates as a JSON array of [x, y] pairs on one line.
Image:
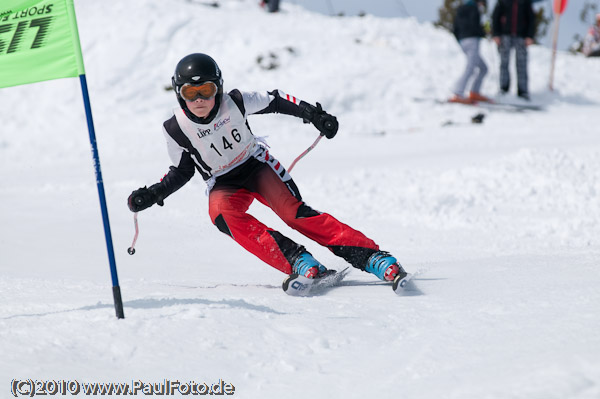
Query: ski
[[509, 106], [500, 106], [297, 285]]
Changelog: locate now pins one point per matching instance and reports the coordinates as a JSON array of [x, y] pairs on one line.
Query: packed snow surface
[[501, 220]]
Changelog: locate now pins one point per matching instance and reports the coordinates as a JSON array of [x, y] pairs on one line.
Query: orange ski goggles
[[192, 92]]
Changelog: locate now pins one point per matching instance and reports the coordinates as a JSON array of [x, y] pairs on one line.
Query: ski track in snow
[[501, 219]]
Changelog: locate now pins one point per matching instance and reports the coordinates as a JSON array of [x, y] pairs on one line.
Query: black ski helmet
[[197, 68]]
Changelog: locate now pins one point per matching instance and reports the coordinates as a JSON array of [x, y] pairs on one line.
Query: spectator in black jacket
[[272, 5], [468, 31], [513, 25]]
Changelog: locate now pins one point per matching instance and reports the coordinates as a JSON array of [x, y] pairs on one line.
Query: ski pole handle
[[131, 249]]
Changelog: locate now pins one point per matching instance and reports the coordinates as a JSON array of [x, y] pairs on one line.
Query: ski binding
[[297, 285], [402, 284]]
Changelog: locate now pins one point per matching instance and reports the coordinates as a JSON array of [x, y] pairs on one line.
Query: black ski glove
[[144, 198], [326, 123]]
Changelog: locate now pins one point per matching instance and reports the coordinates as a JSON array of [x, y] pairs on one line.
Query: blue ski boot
[[307, 266], [384, 266]]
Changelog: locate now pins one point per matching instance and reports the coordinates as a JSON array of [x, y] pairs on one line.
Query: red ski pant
[[231, 197]]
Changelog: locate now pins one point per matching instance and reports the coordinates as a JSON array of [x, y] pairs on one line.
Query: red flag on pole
[[559, 6]]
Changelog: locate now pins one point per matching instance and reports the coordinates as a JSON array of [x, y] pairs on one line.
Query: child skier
[[209, 133]]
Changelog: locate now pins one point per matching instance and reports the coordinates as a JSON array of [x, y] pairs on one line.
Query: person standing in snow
[[468, 31], [513, 25], [272, 5], [209, 133], [591, 42]]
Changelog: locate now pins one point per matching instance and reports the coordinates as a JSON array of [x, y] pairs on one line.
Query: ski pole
[[305, 152], [131, 249]]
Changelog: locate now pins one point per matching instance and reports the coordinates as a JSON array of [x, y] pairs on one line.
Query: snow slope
[[502, 219]]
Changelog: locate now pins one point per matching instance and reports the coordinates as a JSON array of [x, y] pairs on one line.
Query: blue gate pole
[[100, 184]]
